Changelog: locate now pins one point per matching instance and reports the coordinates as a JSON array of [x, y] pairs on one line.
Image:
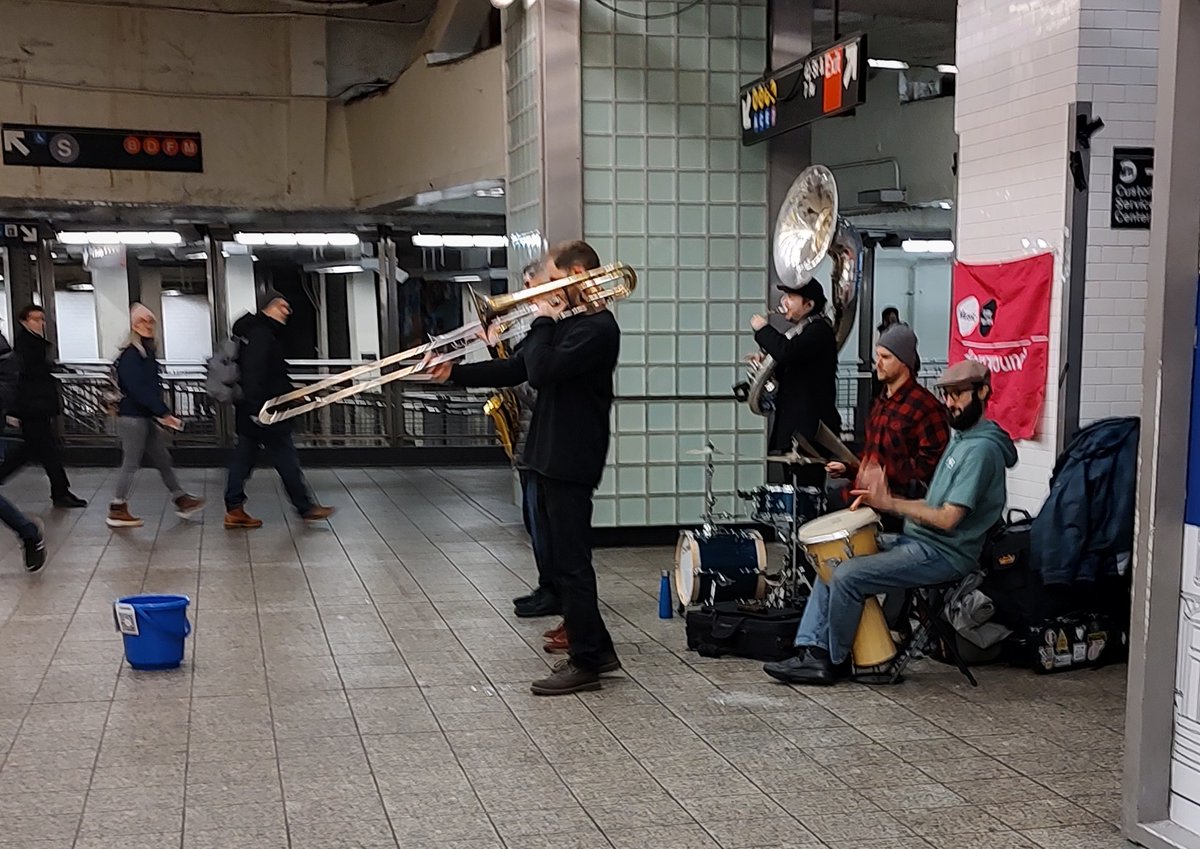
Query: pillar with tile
[[632, 140]]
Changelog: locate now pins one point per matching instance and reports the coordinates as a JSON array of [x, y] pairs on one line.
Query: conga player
[[907, 430], [942, 538]]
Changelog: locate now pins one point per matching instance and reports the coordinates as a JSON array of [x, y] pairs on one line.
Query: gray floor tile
[[350, 684]]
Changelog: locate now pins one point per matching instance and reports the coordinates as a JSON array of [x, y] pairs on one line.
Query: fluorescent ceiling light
[[342, 240], [341, 269], [310, 240], [82, 287], [282, 240], [171, 293], [250, 238], [105, 238], [306, 240], [457, 240], [947, 69], [927, 246], [888, 64], [494, 192], [124, 237], [133, 237], [165, 237], [197, 255], [467, 278], [71, 238]]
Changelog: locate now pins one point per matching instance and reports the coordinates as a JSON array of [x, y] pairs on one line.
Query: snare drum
[[721, 565], [783, 501], [841, 536]]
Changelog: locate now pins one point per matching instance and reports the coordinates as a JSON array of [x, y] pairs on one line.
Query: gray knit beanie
[[901, 341]]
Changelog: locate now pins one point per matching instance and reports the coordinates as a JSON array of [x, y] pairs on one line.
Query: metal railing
[[398, 414]]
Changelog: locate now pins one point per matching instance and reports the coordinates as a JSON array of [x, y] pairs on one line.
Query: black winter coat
[[140, 385], [806, 374], [1087, 519], [570, 364], [38, 392], [262, 367]]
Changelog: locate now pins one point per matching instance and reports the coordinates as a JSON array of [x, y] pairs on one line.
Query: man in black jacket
[[37, 402], [263, 375], [805, 370], [570, 363]]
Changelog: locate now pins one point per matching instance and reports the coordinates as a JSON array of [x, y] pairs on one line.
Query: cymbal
[[793, 459]]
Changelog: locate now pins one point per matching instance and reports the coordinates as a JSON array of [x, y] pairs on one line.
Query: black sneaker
[[541, 603], [35, 551], [69, 501], [566, 678], [807, 668]]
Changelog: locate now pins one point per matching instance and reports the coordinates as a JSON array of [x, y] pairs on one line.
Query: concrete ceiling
[[921, 40]]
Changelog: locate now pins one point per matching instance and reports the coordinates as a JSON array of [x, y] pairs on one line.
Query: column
[[1016, 129], [110, 284], [363, 309], [239, 286]]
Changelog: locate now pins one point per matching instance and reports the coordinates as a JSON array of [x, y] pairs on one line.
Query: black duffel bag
[[743, 630], [1010, 579]]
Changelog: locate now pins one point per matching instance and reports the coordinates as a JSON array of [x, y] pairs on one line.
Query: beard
[[969, 416]]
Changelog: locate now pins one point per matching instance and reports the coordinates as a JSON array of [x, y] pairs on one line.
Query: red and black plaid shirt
[[906, 434]]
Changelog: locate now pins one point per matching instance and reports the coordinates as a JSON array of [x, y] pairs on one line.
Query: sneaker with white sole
[[120, 517]]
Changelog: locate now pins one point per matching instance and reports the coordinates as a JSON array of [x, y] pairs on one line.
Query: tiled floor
[[362, 683]]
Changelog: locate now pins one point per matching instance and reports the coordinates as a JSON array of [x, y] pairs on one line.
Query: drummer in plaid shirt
[[907, 430]]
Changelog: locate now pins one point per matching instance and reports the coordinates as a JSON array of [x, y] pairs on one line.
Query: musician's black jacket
[[570, 363], [806, 374]]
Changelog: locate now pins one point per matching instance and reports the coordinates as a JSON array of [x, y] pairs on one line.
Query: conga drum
[[833, 539]]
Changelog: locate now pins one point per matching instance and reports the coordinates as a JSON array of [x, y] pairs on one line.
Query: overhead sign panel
[[95, 147], [826, 82]]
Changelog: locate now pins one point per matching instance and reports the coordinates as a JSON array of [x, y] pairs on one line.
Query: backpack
[[223, 379]]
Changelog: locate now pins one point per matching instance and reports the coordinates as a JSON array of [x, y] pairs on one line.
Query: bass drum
[[720, 566]]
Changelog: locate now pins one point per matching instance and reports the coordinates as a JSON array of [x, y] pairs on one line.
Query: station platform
[[363, 683]]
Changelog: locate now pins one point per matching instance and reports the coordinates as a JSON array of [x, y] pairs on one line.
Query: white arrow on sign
[[15, 140], [28, 234]]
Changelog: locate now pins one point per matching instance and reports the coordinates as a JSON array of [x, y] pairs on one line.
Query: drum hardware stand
[[929, 602]]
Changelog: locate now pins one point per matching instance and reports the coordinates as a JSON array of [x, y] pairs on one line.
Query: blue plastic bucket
[[161, 626]]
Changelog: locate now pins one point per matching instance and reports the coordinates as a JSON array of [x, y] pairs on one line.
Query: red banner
[[1001, 317]]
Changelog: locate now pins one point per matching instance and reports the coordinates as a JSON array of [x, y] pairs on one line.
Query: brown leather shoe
[[316, 514], [566, 678], [120, 517], [188, 505], [556, 631], [239, 518], [557, 644]]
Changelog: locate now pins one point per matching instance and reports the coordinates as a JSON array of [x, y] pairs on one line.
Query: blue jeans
[[14, 518], [277, 440], [537, 532], [831, 616]]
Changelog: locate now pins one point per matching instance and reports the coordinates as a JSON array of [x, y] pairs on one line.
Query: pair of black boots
[[541, 602]]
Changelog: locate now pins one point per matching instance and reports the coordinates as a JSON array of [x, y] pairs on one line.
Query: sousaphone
[[809, 229]]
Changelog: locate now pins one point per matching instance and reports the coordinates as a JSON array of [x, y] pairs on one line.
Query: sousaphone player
[[805, 373]]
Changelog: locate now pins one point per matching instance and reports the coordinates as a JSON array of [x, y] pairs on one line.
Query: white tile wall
[[1020, 66], [1017, 73], [1118, 58]]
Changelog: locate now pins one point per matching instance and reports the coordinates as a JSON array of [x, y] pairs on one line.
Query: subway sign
[[829, 81]]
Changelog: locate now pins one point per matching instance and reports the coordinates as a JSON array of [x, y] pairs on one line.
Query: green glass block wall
[[668, 188], [523, 90]]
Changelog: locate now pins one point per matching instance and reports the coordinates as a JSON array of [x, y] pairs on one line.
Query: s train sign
[[829, 81]]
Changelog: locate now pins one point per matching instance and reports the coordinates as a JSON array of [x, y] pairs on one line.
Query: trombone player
[[543, 601], [570, 363], [806, 373]]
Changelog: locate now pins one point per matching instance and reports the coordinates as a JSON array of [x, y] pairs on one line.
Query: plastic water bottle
[[664, 597]]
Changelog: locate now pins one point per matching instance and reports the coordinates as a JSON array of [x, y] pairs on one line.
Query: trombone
[[500, 321]]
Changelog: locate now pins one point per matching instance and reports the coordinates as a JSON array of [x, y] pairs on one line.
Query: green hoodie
[[971, 475]]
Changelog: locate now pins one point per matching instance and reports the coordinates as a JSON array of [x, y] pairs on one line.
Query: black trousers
[[565, 510], [537, 530], [40, 442]]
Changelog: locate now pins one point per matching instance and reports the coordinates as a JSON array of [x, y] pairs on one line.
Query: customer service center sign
[[1001, 318]]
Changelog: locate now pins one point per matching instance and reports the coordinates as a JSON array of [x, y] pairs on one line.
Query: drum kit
[[725, 563]]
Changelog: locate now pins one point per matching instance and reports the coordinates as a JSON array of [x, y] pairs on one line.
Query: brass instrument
[[808, 229], [500, 322], [503, 408]]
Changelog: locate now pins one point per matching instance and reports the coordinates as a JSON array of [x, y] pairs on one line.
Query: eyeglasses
[[948, 392]]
